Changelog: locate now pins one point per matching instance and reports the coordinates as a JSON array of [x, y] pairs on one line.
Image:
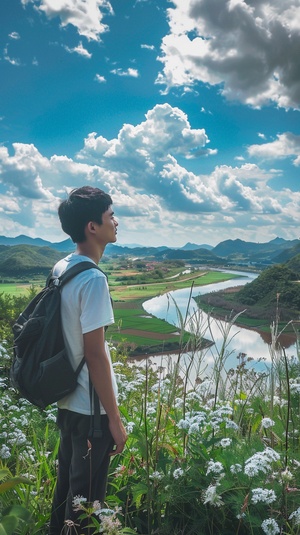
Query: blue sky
[[185, 111]]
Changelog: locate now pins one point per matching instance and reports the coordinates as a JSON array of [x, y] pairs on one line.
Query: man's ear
[[91, 227]]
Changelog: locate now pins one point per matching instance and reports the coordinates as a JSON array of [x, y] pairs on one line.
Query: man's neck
[[88, 249]]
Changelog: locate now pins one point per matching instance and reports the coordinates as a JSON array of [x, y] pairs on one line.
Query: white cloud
[[152, 192], [85, 15], [21, 172], [12, 61], [99, 78], [249, 49], [80, 50], [14, 35], [285, 146], [166, 131], [128, 72], [148, 47], [8, 205]]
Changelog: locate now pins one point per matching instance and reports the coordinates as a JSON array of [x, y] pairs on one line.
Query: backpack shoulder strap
[[71, 272]]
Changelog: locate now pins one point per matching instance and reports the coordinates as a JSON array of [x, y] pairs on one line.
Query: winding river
[[254, 344]]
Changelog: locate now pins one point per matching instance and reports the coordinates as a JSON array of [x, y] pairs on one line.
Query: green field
[[152, 289], [17, 289], [139, 331], [142, 331]]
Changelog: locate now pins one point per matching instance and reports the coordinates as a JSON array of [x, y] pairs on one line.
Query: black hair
[[83, 205]]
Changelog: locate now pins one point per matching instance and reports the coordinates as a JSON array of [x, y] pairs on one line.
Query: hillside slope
[[275, 290], [25, 260], [277, 283]]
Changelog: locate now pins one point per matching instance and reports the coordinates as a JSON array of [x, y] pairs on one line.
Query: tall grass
[[210, 450]]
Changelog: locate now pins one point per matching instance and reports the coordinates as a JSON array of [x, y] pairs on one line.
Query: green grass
[[137, 320], [16, 290]]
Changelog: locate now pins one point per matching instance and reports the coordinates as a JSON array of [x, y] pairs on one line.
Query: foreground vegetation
[[208, 453]]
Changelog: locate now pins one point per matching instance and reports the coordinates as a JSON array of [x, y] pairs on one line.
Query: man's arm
[[100, 374]]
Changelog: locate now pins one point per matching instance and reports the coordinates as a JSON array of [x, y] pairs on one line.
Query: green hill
[[202, 256], [294, 264], [24, 260], [275, 283], [288, 254], [276, 289], [258, 253]]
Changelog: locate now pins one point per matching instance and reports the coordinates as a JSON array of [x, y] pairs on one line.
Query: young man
[[87, 217]]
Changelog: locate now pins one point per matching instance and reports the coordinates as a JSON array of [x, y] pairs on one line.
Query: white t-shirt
[[85, 306]]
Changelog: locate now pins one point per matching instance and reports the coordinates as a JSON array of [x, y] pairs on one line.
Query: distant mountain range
[[34, 255], [68, 246]]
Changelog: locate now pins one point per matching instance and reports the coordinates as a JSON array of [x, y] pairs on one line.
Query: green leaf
[[8, 525], [4, 472], [14, 482], [138, 491], [19, 512]]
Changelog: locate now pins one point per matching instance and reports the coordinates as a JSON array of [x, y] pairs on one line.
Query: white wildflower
[[156, 476], [105, 510], [151, 410], [267, 422], [216, 421], [17, 437], [287, 476], [270, 527], [192, 396], [14, 408], [214, 467], [296, 516], [178, 472], [210, 496], [224, 410], [295, 388], [78, 502], [230, 424], [225, 442], [4, 452], [194, 428], [260, 462], [236, 468], [263, 495], [178, 403], [129, 427], [183, 424]]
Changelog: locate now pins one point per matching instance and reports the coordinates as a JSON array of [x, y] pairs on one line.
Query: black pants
[[80, 472]]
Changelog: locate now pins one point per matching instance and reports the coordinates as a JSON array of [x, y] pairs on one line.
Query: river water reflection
[[254, 344]]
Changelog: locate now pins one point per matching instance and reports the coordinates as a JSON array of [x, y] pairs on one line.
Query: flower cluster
[[261, 461], [214, 467], [267, 422], [210, 496], [263, 495], [296, 516], [270, 527]]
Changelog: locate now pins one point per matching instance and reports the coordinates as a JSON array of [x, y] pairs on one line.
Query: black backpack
[[41, 370]]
